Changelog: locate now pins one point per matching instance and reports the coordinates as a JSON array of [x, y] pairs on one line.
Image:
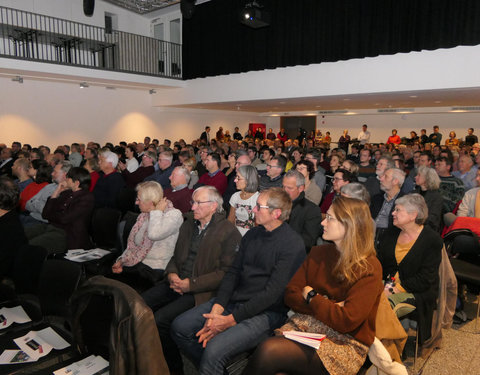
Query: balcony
[[34, 37]]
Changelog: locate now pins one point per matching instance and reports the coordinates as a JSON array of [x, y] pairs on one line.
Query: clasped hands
[[177, 284], [215, 323]]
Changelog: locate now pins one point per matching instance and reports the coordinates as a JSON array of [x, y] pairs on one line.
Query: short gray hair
[[431, 177], [184, 171], [390, 162], [357, 191], [152, 155], [167, 155], [299, 178], [414, 203], [110, 157], [66, 165], [397, 174], [213, 196], [250, 174]]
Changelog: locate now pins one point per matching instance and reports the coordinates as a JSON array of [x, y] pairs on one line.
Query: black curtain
[[305, 32]]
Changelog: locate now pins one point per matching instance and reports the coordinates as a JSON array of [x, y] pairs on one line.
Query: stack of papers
[[9, 315], [80, 255], [88, 366], [33, 346], [311, 339]]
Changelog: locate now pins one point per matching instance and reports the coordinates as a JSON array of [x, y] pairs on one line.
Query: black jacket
[[305, 219], [418, 271], [376, 206], [434, 201]]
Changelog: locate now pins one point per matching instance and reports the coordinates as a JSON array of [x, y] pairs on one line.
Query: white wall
[[73, 10], [54, 113]]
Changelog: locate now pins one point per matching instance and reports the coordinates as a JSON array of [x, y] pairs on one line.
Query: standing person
[[206, 246], [394, 138], [259, 134], [249, 303], [205, 136], [470, 138], [271, 135], [344, 141], [364, 135], [435, 137], [236, 135], [452, 140], [243, 202], [219, 136], [335, 292], [282, 136]]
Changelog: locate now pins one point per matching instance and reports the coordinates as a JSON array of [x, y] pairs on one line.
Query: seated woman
[[152, 239], [411, 254], [41, 173], [428, 185], [70, 208], [243, 202], [312, 192], [335, 292]]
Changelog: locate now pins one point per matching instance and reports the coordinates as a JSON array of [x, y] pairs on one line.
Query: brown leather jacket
[[134, 344], [215, 254]]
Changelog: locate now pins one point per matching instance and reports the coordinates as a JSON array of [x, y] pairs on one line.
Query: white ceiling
[[405, 99], [143, 6]]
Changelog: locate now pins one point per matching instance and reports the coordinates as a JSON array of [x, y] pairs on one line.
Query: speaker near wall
[[187, 8], [88, 7]]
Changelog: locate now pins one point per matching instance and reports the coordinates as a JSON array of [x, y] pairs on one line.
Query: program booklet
[[9, 315], [311, 339], [92, 365]]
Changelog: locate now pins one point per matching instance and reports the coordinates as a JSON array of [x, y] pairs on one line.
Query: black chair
[[27, 268], [105, 226], [468, 273]]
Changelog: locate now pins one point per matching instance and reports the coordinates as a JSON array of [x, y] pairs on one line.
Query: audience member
[[428, 185], [215, 176], [249, 303], [75, 158], [364, 135], [6, 162], [470, 138], [243, 201], [312, 191], [274, 174], [373, 182], [20, 170], [131, 164], [305, 216], [166, 167], [466, 172], [451, 188], [110, 182], [151, 241], [179, 193], [340, 178], [146, 169], [366, 167], [206, 246], [394, 138], [355, 190], [316, 158], [435, 137], [93, 168]]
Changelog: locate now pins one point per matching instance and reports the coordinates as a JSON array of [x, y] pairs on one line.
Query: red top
[[29, 192], [219, 181], [395, 139], [94, 176]]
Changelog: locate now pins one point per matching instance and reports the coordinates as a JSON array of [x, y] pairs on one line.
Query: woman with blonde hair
[[152, 240], [190, 164], [335, 292]]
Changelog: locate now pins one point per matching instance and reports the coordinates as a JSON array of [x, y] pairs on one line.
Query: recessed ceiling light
[[83, 85], [413, 96], [346, 99]]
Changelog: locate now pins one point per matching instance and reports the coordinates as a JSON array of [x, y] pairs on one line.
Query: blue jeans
[[226, 345]]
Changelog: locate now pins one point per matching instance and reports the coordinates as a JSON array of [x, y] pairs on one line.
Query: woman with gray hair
[[410, 255], [356, 190], [428, 184], [243, 201]]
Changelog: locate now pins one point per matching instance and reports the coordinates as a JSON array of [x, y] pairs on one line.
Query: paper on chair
[[81, 256], [9, 315], [88, 366], [37, 344], [10, 357]]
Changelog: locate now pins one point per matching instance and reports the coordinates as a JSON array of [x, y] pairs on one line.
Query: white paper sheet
[[9, 315], [10, 357], [88, 366], [79, 255], [37, 344]]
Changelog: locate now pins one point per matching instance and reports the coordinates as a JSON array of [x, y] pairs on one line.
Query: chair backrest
[[58, 280], [104, 227], [27, 268]]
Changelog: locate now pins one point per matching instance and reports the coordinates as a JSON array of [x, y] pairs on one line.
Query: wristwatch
[[310, 295]]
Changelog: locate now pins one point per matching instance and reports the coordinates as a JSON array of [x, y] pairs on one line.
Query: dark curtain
[[305, 32]]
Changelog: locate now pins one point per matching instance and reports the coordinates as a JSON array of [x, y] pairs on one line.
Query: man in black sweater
[[249, 303]]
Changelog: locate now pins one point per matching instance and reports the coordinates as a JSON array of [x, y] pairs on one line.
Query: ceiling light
[[152, 91], [346, 99], [18, 79], [413, 96], [83, 85]]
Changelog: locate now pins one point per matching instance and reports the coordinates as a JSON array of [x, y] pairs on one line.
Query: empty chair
[[104, 227]]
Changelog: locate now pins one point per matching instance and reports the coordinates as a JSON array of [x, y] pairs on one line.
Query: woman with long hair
[[335, 292]]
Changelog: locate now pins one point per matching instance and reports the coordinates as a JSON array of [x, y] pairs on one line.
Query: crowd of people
[[231, 231]]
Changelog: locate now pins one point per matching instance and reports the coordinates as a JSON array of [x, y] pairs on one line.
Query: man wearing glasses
[[249, 303], [206, 246], [165, 169], [273, 176]]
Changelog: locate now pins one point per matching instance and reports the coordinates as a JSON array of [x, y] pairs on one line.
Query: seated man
[[451, 187], [466, 172], [273, 176], [215, 176], [20, 170], [110, 182], [205, 248], [165, 168], [305, 217], [249, 303], [132, 179], [178, 193]]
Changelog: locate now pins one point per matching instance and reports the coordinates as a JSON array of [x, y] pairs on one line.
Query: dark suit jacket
[[6, 170], [434, 201], [418, 271], [72, 212], [305, 219], [13, 238]]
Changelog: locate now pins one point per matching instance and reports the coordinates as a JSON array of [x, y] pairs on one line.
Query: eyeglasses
[[258, 205], [338, 179], [192, 202], [273, 166], [329, 217], [238, 178]]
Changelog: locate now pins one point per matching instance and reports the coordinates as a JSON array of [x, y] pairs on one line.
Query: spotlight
[[17, 79], [83, 85], [254, 16], [152, 91]]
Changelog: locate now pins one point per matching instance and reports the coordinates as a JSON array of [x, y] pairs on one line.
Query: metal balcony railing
[[36, 37]]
